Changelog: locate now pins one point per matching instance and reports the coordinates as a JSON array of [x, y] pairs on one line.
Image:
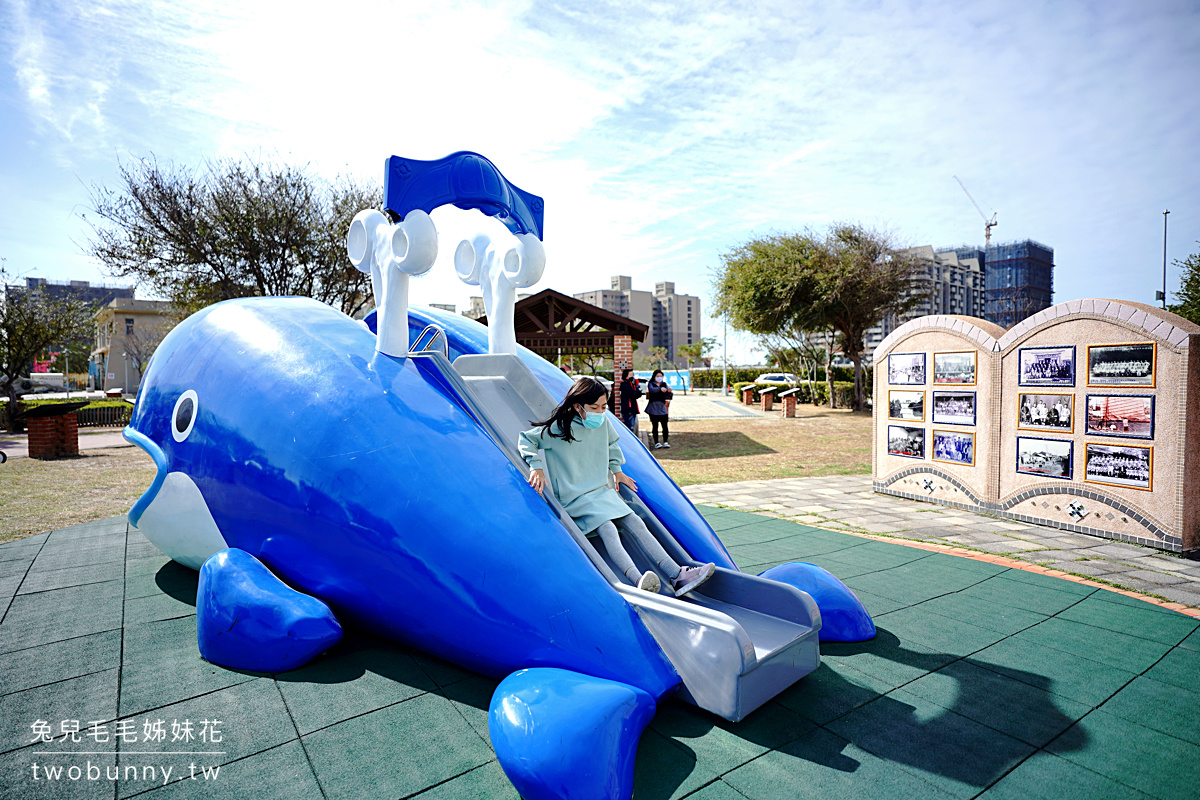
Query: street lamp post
[[1164, 291], [725, 359]]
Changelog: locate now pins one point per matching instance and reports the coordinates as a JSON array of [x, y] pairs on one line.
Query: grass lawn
[[38, 496], [818, 441]]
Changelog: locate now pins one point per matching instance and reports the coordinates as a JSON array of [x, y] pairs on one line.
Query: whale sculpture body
[[318, 474]]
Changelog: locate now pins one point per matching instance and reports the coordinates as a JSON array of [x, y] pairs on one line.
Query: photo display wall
[[1076, 419]]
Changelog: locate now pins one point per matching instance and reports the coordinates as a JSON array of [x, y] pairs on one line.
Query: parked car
[[777, 377]]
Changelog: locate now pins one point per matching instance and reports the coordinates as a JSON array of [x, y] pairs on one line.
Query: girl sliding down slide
[[581, 449]]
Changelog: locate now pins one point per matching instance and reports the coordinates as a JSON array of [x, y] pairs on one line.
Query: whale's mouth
[[155, 452]]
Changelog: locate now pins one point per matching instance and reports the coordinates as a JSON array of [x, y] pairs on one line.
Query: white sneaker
[[649, 583], [658, 446], [667, 445], [691, 578]]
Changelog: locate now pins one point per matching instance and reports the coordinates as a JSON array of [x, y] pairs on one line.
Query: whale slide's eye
[[184, 415]]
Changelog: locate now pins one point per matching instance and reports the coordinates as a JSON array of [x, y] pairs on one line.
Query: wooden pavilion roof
[[550, 322]]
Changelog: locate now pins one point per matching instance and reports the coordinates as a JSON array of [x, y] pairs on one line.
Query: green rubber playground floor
[[983, 682]]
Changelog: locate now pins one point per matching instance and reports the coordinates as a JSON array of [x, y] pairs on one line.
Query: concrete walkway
[[847, 503]]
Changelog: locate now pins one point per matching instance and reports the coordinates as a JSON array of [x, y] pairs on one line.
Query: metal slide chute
[[735, 643]]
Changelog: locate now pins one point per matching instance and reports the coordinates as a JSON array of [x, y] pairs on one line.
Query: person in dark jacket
[[659, 395], [630, 392]]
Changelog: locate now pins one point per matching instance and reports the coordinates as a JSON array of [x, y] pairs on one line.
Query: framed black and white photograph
[[1046, 412], [953, 408], [954, 447], [1122, 364], [1125, 415], [906, 405], [1047, 366], [905, 441], [1050, 458], [954, 368], [1118, 465], [906, 369]]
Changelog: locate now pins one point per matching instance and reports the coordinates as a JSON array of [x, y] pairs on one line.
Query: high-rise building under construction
[[1019, 280]]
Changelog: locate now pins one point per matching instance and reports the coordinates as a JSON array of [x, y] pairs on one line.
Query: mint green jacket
[[578, 471]]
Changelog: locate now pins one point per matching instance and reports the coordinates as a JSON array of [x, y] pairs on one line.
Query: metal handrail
[[417, 347]]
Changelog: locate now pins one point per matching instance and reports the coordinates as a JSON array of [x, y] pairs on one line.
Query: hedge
[[711, 378], [97, 414]]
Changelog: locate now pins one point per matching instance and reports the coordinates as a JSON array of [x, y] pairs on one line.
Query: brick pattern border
[[1002, 509]]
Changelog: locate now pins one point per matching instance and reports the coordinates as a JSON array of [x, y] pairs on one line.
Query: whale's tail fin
[[737, 641]]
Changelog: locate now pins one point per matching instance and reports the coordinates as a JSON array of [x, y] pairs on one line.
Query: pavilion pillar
[[622, 359]]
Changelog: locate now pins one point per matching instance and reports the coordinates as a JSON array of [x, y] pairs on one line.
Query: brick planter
[[789, 405], [53, 437], [748, 395]]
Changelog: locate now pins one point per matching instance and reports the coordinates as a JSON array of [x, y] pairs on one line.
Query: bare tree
[[231, 229]]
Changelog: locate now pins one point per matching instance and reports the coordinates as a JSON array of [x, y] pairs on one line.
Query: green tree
[[231, 229], [788, 286], [30, 324], [1189, 288]]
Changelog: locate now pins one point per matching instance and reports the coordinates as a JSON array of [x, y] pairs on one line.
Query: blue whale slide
[[318, 484]]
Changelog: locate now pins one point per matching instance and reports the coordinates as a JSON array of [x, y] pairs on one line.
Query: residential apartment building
[[127, 333], [1020, 281], [950, 281], [674, 319]]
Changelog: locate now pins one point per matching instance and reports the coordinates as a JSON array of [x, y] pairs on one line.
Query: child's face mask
[[593, 420]]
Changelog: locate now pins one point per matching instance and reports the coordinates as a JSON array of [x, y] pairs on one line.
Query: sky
[[661, 135]]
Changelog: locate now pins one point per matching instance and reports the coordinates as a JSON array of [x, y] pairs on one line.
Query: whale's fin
[[246, 618], [843, 618], [560, 735]]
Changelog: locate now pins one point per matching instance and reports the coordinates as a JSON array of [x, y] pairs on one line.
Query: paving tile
[[1188, 595], [18, 778], [823, 765], [915, 582], [1003, 619], [82, 699], [886, 658], [358, 759], [831, 690], [168, 648], [1044, 776], [947, 749], [472, 698], [1065, 674], [487, 781], [158, 607], [1137, 618], [1129, 653], [280, 773], [1021, 710], [937, 633], [722, 746], [35, 666], [1159, 706], [667, 769], [35, 619], [56, 546], [243, 720], [1002, 590], [73, 576], [876, 604], [158, 575], [77, 558], [717, 790], [117, 524], [16, 567], [1136, 756], [1179, 668], [359, 676]]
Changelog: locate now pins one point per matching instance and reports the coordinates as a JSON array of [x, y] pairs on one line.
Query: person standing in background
[[630, 392], [659, 395]]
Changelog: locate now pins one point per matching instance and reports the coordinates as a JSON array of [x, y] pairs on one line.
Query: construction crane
[[988, 224]]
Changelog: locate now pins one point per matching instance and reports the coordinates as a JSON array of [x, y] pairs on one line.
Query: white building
[[674, 319]]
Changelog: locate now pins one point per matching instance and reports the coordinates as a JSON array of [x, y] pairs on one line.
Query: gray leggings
[[632, 525]]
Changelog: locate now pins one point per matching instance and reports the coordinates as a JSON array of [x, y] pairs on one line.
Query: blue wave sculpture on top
[[463, 179]]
